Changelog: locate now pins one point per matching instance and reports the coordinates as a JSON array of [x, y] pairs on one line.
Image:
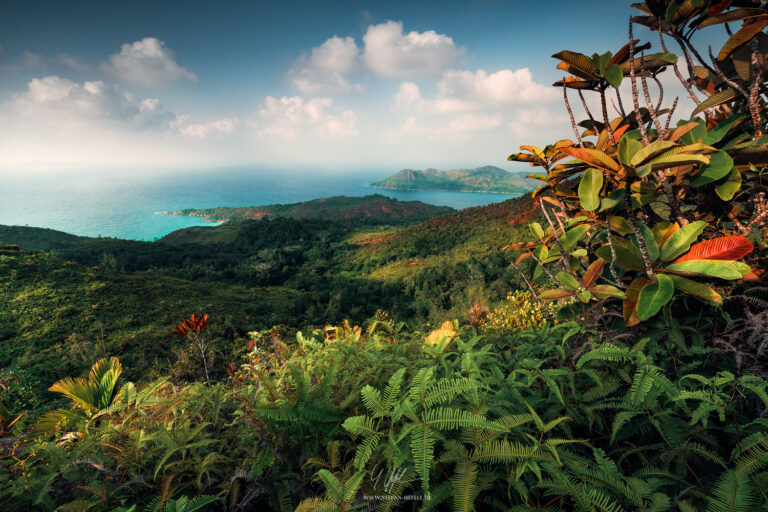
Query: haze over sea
[[125, 205]]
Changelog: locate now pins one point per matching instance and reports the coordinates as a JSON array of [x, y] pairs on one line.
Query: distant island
[[370, 209], [488, 179]]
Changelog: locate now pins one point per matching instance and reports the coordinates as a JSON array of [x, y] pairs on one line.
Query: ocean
[[127, 206]]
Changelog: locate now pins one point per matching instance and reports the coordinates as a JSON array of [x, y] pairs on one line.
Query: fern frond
[[732, 493]]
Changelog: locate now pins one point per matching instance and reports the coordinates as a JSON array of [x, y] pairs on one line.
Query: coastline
[[444, 190], [204, 218]]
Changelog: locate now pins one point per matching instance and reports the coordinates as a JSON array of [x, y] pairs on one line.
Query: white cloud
[[292, 117], [529, 122], [53, 100], [391, 53], [465, 90], [475, 123], [408, 97], [327, 67], [203, 130], [147, 63], [72, 62]]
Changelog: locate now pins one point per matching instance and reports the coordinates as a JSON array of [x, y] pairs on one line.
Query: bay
[[127, 205]]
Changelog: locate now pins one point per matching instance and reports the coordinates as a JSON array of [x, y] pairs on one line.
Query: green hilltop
[[489, 179], [371, 209]]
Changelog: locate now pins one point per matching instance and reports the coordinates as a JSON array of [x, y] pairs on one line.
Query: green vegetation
[[369, 210], [482, 179], [624, 371]]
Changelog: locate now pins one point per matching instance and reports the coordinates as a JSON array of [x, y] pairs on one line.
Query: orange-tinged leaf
[[556, 294], [723, 248], [620, 131], [744, 35], [522, 258], [521, 246], [630, 303], [661, 232], [593, 272], [623, 53], [593, 157], [752, 276], [681, 130], [551, 201]]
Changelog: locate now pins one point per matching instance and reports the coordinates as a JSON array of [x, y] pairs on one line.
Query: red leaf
[[593, 272], [723, 248], [719, 7]]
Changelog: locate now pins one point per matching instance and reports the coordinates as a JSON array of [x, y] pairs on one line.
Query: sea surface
[[125, 205]]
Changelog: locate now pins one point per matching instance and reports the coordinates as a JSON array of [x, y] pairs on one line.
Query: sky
[[146, 85]]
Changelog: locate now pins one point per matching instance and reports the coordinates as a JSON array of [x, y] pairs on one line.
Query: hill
[[482, 179], [75, 298], [371, 209]]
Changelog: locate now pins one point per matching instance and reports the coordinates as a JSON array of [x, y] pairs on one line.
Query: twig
[[754, 107], [661, 94], [725, 79], [635, 96], [638, 234], [604, 106], [613, 104], [563, 261], [647, 94], [546, 270], [670, 193], [612, 264], [669, 117], [570, 114], [535, 295], [621, 104], [676, 69], [586, 109]]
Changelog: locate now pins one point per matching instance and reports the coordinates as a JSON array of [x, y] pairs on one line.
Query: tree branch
[[570, 114]]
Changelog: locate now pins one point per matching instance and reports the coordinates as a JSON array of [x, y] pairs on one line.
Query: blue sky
[[347, 85]]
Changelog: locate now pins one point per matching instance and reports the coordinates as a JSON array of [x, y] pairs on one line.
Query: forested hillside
[[597, 345], [368, 210]]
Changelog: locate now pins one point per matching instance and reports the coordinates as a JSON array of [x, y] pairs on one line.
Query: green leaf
[[722, 128], [613, 199], [649, 151], [700, 290], [621, 225], [572, 236], [681, 240], [728, 188], [589, 189], [627, 149], [614, 75], [695, 134], [627, 258], [603, 291], [568, 280], [719, 166], [716, 99], [654, 296], [671, 10], [723, 269], [536, 230], [650, 242]]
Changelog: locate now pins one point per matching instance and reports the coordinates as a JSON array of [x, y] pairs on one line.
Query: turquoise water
[[126, 206]]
